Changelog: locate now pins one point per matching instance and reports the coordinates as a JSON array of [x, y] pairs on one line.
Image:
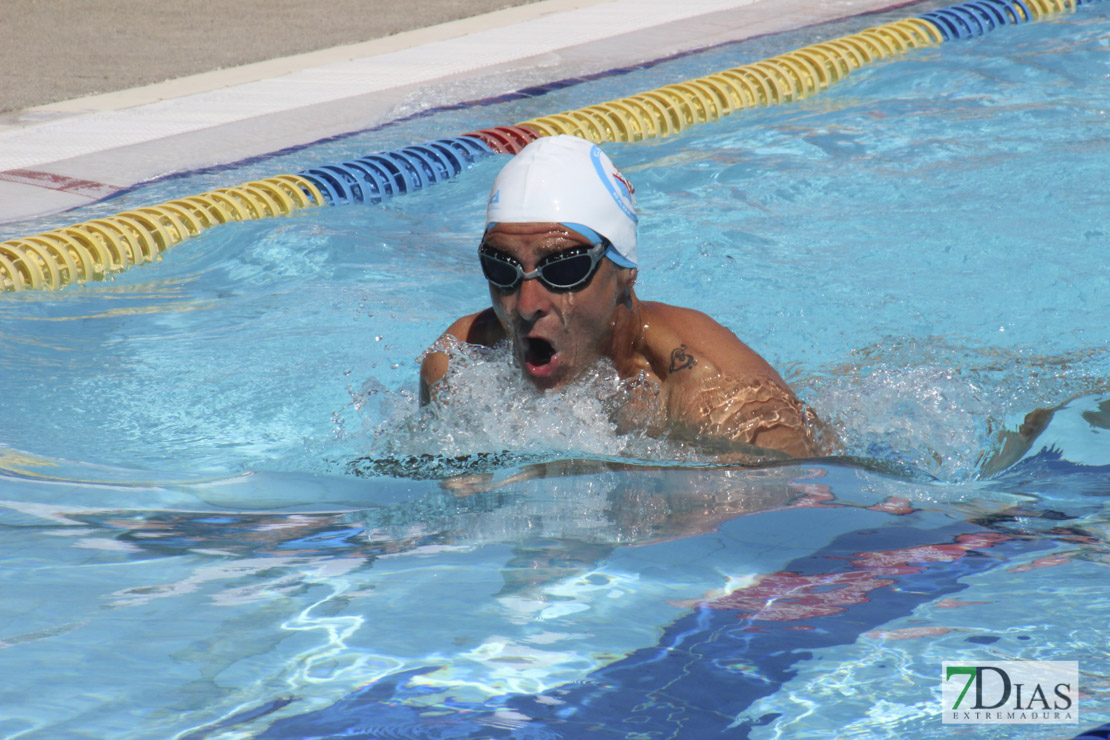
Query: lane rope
[[95, 249]]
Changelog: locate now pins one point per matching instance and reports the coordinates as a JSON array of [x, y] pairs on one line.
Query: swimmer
[[559, 253]]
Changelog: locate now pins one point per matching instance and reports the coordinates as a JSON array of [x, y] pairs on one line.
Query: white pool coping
[[61, 156]]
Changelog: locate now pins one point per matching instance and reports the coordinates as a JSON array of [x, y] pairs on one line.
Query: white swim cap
[[567, 180]]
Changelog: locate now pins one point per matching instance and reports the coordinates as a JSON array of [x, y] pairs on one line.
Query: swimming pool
[[224, 515]]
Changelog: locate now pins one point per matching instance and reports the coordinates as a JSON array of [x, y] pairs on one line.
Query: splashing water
[[486, 414], [942, 409], [898, 407]]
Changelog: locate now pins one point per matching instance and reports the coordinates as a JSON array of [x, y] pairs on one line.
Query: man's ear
[[628, 281]]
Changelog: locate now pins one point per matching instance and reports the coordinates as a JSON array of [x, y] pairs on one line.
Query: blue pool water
[[224, 516]]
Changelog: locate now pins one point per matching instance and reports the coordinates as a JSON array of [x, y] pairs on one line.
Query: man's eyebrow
[[564, 243], [484, 244], [544, 251], [561, 244]]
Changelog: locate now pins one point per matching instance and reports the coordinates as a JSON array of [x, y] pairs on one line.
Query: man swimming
[[559, 253]]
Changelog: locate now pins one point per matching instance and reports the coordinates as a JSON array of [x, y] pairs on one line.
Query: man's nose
[[533, 300]]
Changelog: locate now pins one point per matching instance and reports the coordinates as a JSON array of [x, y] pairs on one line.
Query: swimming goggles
[[564, 270]]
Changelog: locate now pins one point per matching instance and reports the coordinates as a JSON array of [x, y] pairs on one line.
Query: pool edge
[[119, 143]]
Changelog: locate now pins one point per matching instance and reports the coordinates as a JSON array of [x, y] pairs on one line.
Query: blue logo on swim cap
[[496, 197], [625, 206]]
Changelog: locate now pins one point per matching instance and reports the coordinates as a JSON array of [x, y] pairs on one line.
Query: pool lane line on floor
[[94, 249]]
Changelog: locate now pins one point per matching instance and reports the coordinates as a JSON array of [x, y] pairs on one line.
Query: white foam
[[485, 405]]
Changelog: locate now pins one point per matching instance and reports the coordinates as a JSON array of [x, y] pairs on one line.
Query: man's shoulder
[[716, 386], [685, 339], [676, 315], [478, 328]]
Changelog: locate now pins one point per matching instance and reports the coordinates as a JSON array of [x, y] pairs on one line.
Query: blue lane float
[[378, 177], [978, 17]]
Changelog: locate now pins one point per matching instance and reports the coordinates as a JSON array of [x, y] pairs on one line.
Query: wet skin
[[556, 334], [712, 385]]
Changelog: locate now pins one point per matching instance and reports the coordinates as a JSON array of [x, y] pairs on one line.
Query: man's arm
[[719, 388], [477, 328], [756, 411]]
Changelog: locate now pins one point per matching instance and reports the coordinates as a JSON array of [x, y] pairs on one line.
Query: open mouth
[[538, 352]]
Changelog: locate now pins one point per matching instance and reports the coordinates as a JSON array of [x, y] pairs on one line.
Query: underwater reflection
[[556, 515]]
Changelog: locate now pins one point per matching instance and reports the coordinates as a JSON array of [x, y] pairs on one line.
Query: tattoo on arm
[[680, 359]]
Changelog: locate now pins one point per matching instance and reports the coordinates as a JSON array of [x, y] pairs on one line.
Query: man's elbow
[[792, 441]]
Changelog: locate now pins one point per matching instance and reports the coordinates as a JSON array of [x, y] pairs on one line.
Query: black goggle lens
[[567, 271], [500, 273]]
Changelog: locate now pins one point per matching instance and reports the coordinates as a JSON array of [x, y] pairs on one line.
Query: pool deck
[[64, 155]]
